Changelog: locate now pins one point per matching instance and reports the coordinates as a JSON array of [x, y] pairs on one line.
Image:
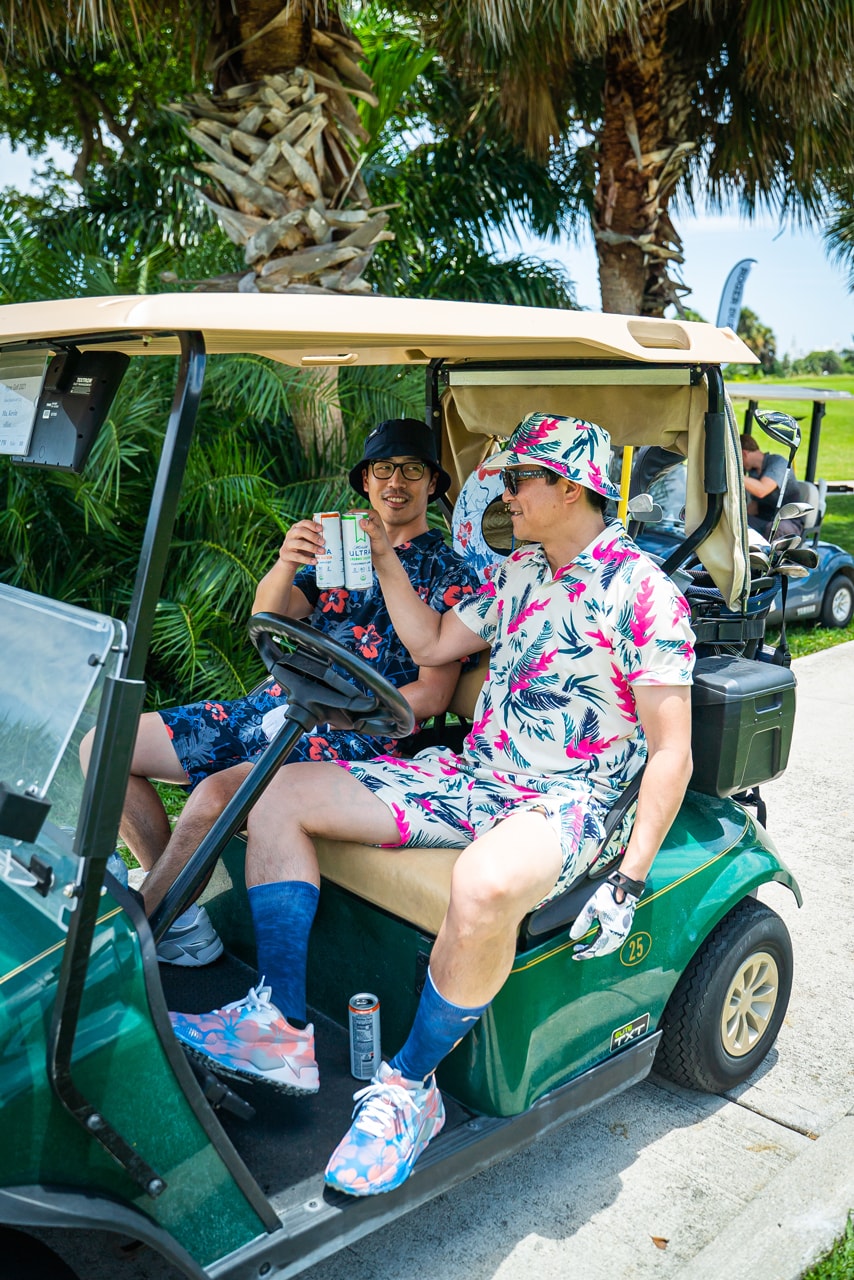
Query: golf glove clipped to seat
[[615, 918]]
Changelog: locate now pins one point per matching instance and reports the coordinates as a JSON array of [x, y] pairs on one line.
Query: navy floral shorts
[[211, 736]]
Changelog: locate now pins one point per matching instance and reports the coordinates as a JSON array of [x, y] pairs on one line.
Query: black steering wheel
[[366, 702]]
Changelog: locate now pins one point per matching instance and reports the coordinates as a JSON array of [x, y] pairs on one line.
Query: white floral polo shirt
[[566, 653]]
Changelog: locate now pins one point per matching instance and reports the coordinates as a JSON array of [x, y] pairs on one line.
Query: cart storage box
[[742, 718]]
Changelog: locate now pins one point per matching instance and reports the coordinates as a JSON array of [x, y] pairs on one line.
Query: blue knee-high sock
[[438, 1026], [283, 914]]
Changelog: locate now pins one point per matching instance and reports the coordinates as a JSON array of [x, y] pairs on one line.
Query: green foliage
[[840, 232], [839, 1263], [96, 96], [458, 182]]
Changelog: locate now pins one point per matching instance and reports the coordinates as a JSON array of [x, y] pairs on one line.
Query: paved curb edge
[[792, 1222]]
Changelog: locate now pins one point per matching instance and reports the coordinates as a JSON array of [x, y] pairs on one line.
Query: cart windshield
[[55, 659]]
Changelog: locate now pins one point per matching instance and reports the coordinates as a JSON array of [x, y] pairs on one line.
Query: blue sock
[[283, 914], [438, 1026]]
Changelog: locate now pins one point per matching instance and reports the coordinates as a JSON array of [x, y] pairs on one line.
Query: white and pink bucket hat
[[578, 450]]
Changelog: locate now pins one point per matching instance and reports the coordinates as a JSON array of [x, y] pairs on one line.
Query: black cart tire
[[728, 1006], [837, 607], [22, 1257]]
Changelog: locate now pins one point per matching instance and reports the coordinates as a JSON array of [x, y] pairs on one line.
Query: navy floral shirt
[[360, 620]]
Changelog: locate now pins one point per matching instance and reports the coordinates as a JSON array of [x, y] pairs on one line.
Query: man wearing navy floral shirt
[[201, 744]]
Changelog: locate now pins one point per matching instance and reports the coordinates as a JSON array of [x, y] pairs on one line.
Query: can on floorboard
[[364, 1018]]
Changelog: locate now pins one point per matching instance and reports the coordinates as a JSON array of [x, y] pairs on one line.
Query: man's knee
[[85, 750], [213, 793], [483, 896]]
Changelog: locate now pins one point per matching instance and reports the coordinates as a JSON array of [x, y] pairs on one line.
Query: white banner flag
[[729, 308]]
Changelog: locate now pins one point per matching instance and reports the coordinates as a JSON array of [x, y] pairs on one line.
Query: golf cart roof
[[775, 391], [641, 378], [308, 330]]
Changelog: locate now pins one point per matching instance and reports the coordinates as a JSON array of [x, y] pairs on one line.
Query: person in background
[[765, 474]]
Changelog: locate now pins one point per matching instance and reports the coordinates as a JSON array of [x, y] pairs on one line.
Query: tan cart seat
[[413, 884]]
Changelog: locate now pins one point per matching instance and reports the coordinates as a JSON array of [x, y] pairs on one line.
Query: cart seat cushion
[[413, 884]]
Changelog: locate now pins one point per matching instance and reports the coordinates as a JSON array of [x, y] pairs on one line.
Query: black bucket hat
[[396, 438]]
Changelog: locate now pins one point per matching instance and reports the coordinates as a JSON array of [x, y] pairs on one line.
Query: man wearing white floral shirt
[[589, 675]]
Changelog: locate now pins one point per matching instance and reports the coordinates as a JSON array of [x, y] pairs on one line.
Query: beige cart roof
[[301, 328], [645, 404]]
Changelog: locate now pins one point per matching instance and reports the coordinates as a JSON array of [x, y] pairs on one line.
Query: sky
[[793, 286]]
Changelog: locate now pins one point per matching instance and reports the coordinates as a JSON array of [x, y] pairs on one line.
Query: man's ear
[[574, 491], [434, 480]]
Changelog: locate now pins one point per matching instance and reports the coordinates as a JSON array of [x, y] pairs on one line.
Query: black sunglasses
[[510, 479]]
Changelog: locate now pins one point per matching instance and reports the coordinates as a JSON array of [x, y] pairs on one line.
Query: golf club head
[[802, 555], [759, 562], [781, 427], [642, 508], [786, 569], [781, 546], [788, 511]]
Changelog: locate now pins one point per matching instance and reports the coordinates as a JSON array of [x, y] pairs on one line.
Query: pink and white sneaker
[[394, 1119], [251, 1040]]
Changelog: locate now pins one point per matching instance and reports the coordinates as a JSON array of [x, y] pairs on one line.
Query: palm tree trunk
[[282, 137], [642, 155]]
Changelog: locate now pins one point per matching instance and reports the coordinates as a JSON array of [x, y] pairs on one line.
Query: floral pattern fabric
[[556, 726], [210, 736]]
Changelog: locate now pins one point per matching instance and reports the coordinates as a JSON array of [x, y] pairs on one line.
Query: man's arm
[[276, 592], [772, 478], [430, 694], [665, 714], [432, 638], [760, 487]]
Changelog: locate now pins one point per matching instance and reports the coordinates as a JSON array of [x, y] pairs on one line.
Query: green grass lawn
[[839, 1263], [838, 527], [836, 451]]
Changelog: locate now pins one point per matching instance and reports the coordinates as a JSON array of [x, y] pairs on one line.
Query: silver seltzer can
[[365, 1052], [330, 565], [358, 570]]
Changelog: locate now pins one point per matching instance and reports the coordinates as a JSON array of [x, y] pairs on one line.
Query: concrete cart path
[[667, 1183]]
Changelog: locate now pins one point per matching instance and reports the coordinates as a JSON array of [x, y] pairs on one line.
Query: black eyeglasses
[[510, 479], [384, 469]]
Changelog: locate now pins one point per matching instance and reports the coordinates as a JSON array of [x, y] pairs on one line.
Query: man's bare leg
[[203, 807], [493, 886], [497, 880], [145, 826], [307, 800]]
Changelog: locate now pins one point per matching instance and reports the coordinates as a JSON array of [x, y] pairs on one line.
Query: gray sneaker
[[190, 945]]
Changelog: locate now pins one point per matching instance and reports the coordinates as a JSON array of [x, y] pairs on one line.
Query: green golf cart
[[107, 1125]]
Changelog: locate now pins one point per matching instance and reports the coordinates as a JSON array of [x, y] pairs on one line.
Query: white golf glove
[[615, 918]]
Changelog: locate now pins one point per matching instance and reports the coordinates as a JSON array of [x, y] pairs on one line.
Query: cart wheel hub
[[749, 1004]]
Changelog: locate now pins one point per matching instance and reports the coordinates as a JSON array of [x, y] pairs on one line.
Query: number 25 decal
[[635, 949]]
